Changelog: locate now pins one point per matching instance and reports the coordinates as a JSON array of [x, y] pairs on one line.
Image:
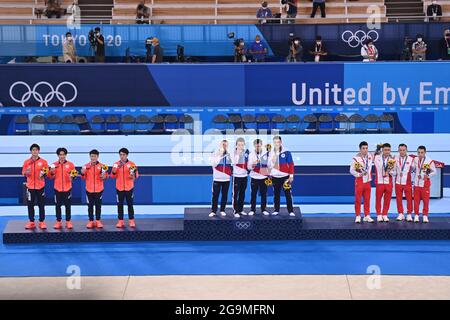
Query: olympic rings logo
[[358, 38], [43, 98], [243, 225]]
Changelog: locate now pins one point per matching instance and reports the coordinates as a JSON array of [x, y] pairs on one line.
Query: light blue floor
[[233, 257]]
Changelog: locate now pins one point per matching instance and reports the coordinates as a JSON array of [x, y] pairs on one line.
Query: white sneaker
[[425, 219], [385, 219], [409, 218], [400, 217], [212, 214], [236, 215], [275, 213], [222, 213], [368, 219], [251, 213], [266, 213], [358, 219], [380, 218], [416, 218], [292, 214], [243, 213]]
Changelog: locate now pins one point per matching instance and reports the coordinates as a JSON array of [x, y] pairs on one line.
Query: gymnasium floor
[[233, 269]]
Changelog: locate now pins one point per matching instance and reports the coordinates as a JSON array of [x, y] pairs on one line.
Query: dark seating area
[[160, 124], [102, 124], [323, 123]]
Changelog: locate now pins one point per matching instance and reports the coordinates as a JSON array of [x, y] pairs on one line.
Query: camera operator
[[407, 50], [240, 51], [99, 46], [295, 50], [142, 13]]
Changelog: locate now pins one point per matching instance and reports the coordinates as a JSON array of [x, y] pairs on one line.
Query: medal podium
[[196, 225]]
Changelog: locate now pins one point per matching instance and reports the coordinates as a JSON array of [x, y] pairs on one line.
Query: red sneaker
[[58, 225], [42, 225], [90, 225], [131, 223], [69, 225], [120, 224], [30, 225], [99, 224]]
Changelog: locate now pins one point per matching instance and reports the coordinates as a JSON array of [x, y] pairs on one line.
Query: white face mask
[[419, 39], [296, 42], [258, 41], [69, 38], [319, 43]]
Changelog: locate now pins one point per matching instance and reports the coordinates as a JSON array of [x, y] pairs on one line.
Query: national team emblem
[[283, 155], [67, 166], [40, 164]]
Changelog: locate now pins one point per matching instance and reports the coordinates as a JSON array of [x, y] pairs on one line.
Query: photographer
[[295, 50], [240, 51], [419, 49], [406, 52], [98, 44], [142, 13]]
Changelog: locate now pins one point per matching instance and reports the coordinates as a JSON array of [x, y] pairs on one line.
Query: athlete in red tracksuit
[[34, 170], [403, 182], [94, 174], [60, 172], [384, 182], [125, 172], [424, 168], [361, 169]]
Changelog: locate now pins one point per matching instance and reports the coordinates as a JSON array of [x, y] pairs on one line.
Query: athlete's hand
[[83, 170], [291, 179]]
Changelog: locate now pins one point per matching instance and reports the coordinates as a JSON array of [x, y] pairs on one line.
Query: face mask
[[296, 42], [69, 38], [258, 41], [419, 39], [319, 43]]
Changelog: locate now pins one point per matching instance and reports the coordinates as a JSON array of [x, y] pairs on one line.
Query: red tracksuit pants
[[406, 190], [362, 190], [421, 194], [383, 193]]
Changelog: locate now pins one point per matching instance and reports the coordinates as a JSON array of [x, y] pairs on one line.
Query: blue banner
[[334, 85]]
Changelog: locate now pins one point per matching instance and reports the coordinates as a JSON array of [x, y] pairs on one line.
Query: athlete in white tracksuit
[[259, 172], [221, 163], [239, 159]]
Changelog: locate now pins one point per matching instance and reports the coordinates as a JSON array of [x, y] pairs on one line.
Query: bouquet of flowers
[[104, 168], [268, 147], [358, 167], [391, 164], [132, 170], [73, 173], [426, 168], [287, 185], [268, 181], [44, 171]]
